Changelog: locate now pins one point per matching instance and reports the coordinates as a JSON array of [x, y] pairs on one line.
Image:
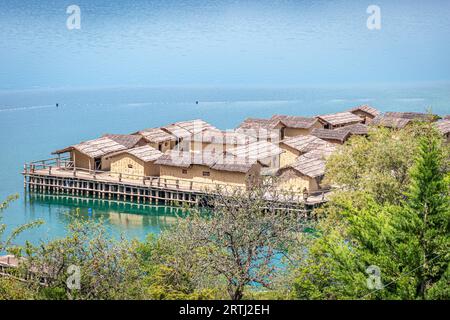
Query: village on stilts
[[185, 162]]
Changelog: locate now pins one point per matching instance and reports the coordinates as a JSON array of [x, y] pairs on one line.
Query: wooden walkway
[[57, 177]]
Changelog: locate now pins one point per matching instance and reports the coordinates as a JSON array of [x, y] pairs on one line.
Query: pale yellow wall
[[292, 180], [195, 173], [293, 132], [289, 156], [121, 162], [81, 160]]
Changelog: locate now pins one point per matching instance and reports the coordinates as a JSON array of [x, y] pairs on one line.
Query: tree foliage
[[406, 236]]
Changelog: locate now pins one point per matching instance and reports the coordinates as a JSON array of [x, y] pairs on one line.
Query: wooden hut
[[296, 146], [358, 129], [262, 151], [262, 129], [399, 120], [158, 138], [337, 120], [365, 112], [92, 154], [218, 141], [305, 173], [185, 129], [135, 163], [200, 170], [332, 136], [292, 126]]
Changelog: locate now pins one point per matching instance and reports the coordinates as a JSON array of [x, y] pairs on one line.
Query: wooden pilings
[[121, 191]]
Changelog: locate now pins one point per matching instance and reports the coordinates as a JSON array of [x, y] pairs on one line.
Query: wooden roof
[[357, 129], [309, 166], [259, 128], [340, 118], [295, 121], [156, 135], [259, 150], [217, 161], [312, 163], [222, 137], [390, 122], [410, 115], [145, 153], [304, 143], [329, 134], [367, 109], [185, 129], [107, 144], [443, 126]]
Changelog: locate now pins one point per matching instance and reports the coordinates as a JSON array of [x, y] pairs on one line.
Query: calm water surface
[[31, 127]]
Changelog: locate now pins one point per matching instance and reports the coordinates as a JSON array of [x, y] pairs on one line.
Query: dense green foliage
[[405, 235], [384, 234]]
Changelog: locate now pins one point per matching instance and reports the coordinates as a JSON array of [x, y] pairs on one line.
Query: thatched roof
[[222, 137], [367, 109], [309, 166], [259, 150], [329, 134], [295, 121], [340, 118], [258, 123], [156, 135], [443, 126], [145, 153], [107, 144], [217, 161], [304, 143], [312, 163], [410, 115], [390, 122], [185, 129], [356, 129]]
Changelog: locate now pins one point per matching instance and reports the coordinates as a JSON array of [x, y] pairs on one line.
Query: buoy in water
[[57, 105], [196, 102]]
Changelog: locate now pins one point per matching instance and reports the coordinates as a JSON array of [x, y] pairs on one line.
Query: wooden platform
[[56, 177]]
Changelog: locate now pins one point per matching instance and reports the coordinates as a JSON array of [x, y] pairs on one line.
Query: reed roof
[[145, 153], [356, 129], [217, 161], [156, 135], [258, 150], [222, 137], [410, 115], [367, 109], [443, 125], [295, 121], [340, 118], [329, 134], [185, 129], [104, 145], [304, 143], [390, 122]]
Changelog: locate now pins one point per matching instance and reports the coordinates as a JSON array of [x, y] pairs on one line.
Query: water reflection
[[119, 215]]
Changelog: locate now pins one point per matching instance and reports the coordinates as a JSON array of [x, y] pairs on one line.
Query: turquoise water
[[31, 127]]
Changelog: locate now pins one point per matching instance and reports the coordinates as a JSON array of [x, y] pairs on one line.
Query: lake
[[31, 127]]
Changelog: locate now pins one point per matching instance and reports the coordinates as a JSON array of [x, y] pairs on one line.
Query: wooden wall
[[133, 168]]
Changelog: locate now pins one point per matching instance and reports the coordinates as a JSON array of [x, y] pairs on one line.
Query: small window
[[130, 166], [184, 171], [206, 173]]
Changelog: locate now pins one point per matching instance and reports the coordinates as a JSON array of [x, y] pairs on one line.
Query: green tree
[[234, 247], [422, 223], [108, 267], [407, 239]]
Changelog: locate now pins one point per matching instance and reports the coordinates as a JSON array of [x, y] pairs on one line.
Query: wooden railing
[[65, 164]]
